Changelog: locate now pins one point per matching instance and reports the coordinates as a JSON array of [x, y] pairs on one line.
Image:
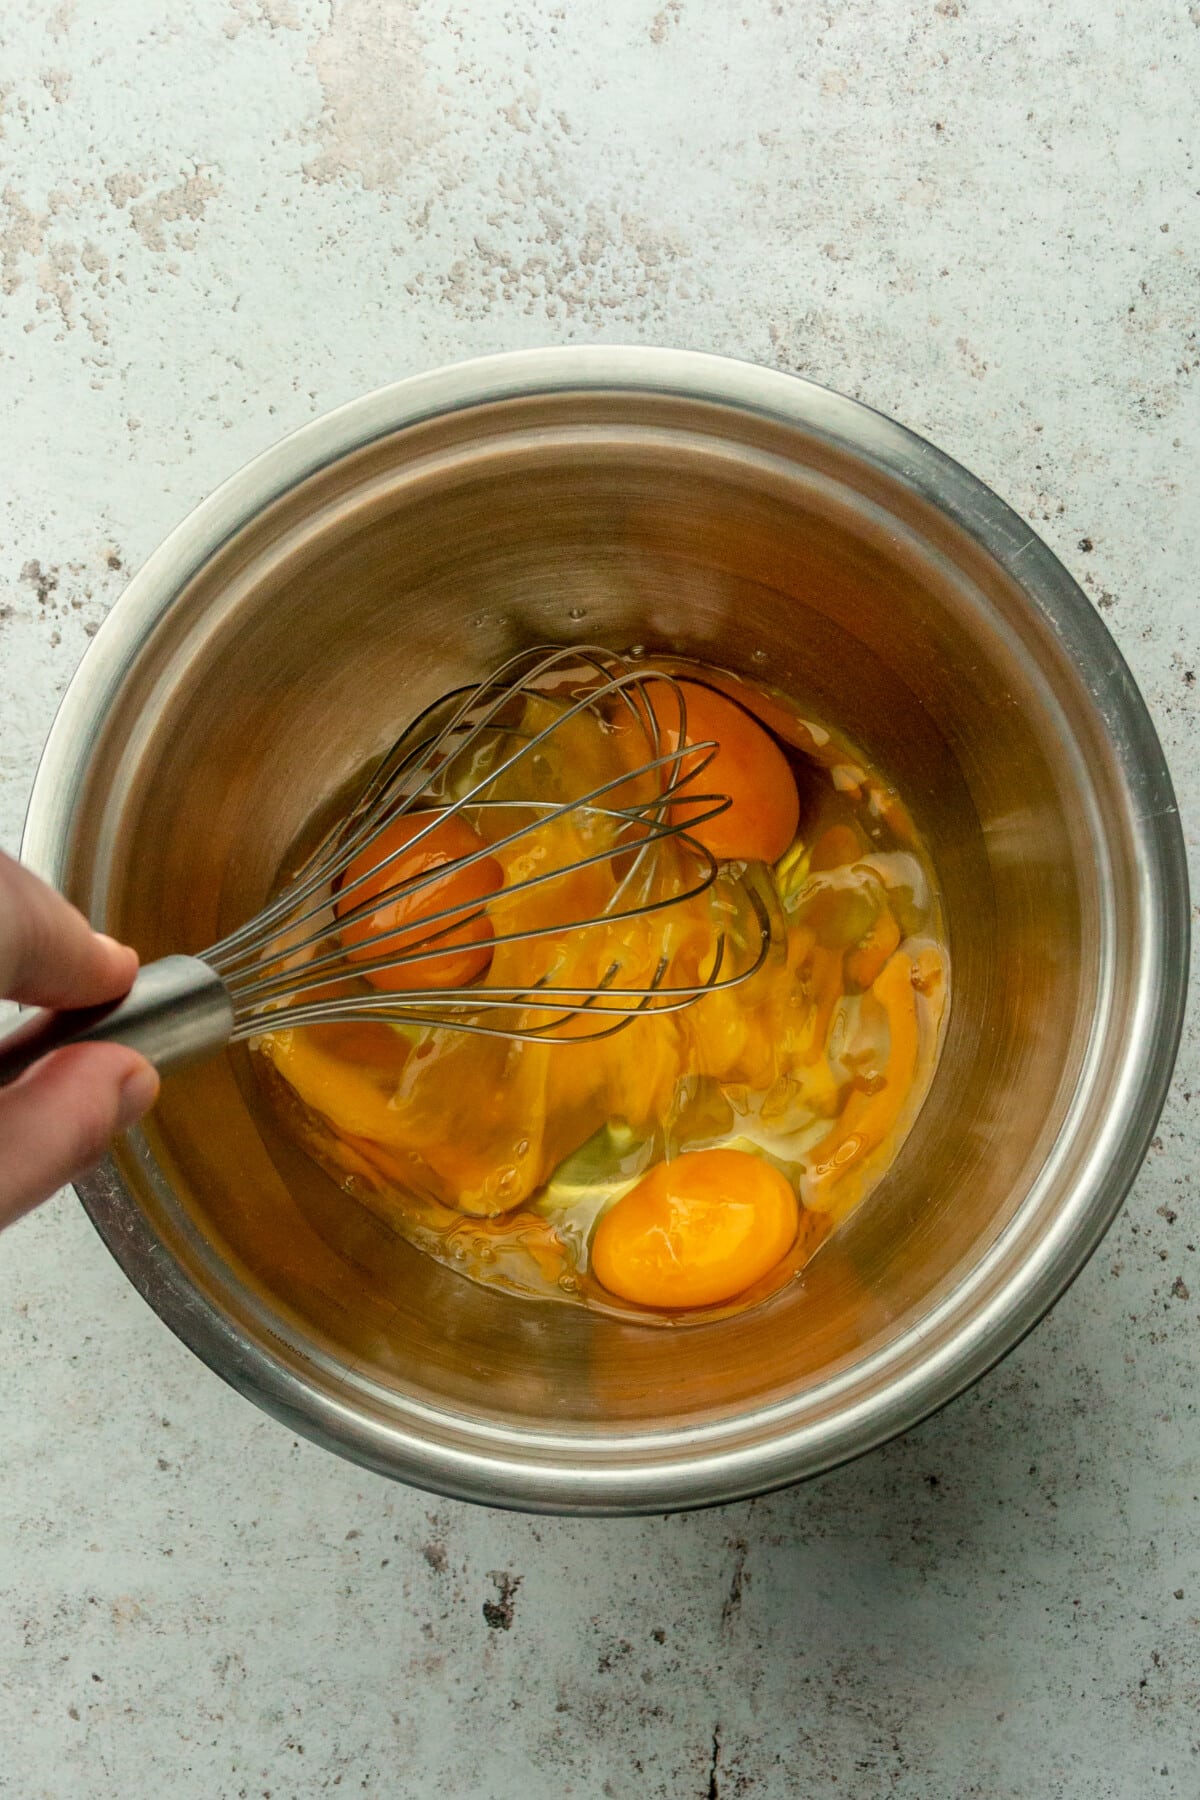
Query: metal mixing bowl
[[406, 544]]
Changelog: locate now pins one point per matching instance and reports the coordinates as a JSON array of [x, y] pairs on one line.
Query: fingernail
[[115, 944], [139, 1091]]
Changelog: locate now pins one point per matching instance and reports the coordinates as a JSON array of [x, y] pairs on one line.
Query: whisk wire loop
[[280, 967]]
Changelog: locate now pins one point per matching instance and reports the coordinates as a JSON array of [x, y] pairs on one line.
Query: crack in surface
[[713, 1791]]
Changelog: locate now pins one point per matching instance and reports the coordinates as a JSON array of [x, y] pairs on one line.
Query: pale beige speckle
[[22, 234], [55, 275], [972, 361], [57, 83], [276, 15], [187, 199], [665, 20], [95, 262], [123, 186], [377, 117], [518, 115]]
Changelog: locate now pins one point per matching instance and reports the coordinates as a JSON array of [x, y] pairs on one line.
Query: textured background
[[220, 218]]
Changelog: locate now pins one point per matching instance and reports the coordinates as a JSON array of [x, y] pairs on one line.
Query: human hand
[[57, 1118]]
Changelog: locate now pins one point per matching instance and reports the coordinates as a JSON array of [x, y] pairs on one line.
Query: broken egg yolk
[[406, 917], [749, 768], [696, 1231]]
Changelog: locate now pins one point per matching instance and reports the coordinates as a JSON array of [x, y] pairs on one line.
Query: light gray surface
[[222, 218]]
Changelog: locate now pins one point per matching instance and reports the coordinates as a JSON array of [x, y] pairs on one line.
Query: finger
[[56, 1120], [49, 954]]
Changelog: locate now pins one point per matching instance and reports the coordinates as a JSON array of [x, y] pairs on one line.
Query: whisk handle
[[177, 1011]]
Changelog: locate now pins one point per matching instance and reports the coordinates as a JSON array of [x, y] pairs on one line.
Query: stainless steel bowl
[[407, 543]]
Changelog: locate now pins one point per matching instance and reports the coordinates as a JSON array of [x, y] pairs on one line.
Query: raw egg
[[696, 1231], [460, 950], [749, 767], [736, 1133]]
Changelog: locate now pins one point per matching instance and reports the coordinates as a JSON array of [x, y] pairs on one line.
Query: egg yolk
[[459, 950], [749, 767], [696, 1231]]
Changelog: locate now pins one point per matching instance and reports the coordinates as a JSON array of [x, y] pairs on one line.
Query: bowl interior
[[419, 562]]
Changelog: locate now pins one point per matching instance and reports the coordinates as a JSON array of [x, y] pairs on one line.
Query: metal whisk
[[476, 755]]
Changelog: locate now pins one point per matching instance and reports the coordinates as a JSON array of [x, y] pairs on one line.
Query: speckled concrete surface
[[223, 217]]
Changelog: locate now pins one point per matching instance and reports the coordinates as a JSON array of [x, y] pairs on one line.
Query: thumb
[[49, 954], [56, 1120]]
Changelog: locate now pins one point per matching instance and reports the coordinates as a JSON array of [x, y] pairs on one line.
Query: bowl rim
[[985, 1314]]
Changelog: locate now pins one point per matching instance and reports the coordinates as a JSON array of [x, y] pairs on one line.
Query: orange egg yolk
[[749, 767], [459, 951], [696, 1231]]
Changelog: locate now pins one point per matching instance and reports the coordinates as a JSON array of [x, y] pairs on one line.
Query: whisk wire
[[456, 914], [377, 805], [294, 947], [653, 997]]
